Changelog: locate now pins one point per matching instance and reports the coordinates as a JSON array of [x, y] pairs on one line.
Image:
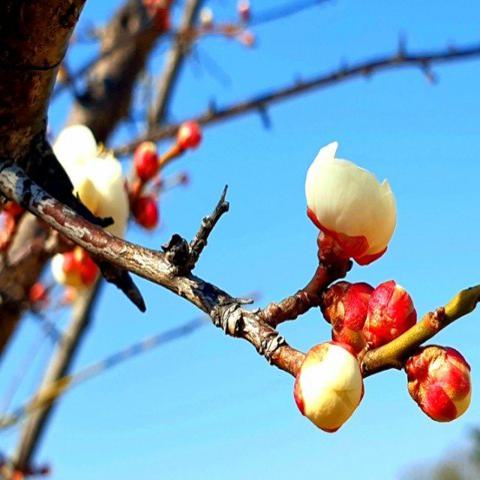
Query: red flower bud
[[439, 381], [189, 135], [159, 13], [145, 212], [390, 313], [38, 293], [79, 268], [13, 209], [247, 38], [145, 161], [345, 306]]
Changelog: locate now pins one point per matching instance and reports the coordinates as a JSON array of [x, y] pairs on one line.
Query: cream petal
[[75, 145], [110, 184], [331, 386]]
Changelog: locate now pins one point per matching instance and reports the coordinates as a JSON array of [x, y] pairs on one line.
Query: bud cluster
[[363, 317], [147, 163], [356, 215]]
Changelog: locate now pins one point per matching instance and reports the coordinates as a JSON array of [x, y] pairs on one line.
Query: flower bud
[[189, 135], [247, 38], [348, 203], [74, 268], [206, 18], [345, 306], [159, 13], [13, 209], [145, 212], [439, 381], [145, 161], [38, 294], [243, 8], [390, 313], [329, 386]]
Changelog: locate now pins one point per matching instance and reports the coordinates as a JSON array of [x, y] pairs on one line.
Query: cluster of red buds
[[357, 215], [147, 163], [363, 317], [159, 12]]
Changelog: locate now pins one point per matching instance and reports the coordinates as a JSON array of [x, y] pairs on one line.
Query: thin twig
[[400, 59], [54, 390], [173, 64], [199, 242]]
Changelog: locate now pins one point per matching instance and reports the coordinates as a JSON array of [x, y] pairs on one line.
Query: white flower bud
[[348, 203], [329, 386], [206, 17]]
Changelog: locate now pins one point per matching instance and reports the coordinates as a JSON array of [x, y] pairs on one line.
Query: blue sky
[[208, 406]]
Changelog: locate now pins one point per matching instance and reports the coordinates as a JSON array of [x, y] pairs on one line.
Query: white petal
[[75, 145], [106, 173]]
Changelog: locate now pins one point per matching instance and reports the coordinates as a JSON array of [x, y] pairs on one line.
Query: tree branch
[[173, 63], [50, 391], [394, 354], [401, 59], [332, 267], [225, 311]]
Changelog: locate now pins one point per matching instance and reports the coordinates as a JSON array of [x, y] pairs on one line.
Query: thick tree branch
[[225, 311], [394, 354], [33, 36], [401, 59]]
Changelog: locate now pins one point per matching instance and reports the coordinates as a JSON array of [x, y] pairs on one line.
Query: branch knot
[[228, 317]]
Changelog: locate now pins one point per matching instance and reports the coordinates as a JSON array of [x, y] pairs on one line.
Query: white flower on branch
[[349, 204], [96, 176]]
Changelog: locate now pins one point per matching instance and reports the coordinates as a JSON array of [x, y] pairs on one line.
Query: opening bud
[[349, 204], [329, 386]]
